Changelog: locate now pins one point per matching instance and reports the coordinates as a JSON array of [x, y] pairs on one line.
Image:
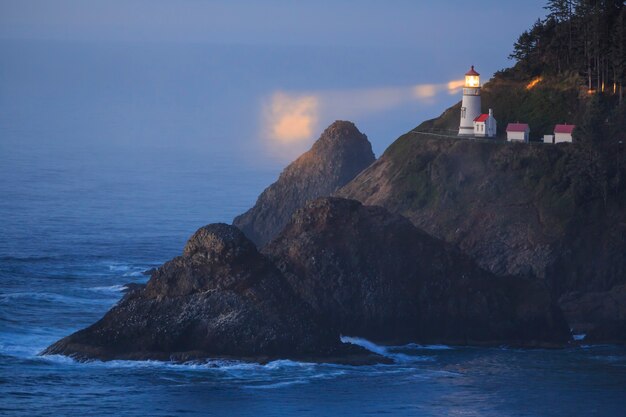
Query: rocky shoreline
[[338, 268], [385, 268]]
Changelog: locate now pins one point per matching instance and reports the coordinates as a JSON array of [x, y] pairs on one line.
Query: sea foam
[[387, 351]]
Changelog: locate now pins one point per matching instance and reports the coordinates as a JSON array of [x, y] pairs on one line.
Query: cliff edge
[[340, 153], [554, 212]]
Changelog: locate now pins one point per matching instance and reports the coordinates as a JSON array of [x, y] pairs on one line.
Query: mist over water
[[113, 154]]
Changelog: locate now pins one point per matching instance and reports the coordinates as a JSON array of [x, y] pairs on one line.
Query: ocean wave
[[127, 270], [287, 363], [30, 258], [387, 351], [110, 288], [612, 359], [298, 378], [435, 373], [45, 296], [281, 384], [27, 346], [427, 347], [209, 364]]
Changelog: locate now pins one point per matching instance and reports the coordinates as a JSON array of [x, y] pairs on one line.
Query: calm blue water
[[105, 173]]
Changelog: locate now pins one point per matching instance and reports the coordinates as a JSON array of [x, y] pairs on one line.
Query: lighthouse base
[[466, 131]]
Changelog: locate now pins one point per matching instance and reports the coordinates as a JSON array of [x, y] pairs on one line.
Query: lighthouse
[[470, 107]]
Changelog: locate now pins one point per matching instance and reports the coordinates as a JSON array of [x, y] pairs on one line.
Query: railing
[[471, 91], [453, 134]]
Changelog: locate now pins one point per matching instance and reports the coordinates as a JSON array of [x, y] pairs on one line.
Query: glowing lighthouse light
[[472, 78], [470, 107]]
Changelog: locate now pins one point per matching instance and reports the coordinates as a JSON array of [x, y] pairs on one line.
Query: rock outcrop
[[338, 268], [222, 298], [375, 275], [339, 155], [600, 315], [551, 212]]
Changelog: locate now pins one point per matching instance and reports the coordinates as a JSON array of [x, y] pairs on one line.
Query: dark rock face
[[377, 276], [338, 156], [556, 213], [600, 315], [337, 268], [222, 298]]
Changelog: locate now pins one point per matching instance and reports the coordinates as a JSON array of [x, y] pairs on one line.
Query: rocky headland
[[340, 153], [551, 213], [375, 275], [338, 268], [220, 299], [439, 241]]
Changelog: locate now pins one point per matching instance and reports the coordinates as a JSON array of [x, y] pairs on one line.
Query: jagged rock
[[133, 286], [377, 276], [338, 156], [551, 212], [601, 315], [338, 267], [222, 298]]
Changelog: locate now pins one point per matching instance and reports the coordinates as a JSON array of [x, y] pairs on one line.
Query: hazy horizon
[[267, 78]]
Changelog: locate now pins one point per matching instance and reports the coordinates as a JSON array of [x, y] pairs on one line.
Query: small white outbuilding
[[548, 138], [519, 132], [485, 125], [563, 133]]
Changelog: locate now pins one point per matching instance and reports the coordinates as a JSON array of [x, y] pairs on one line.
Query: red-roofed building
[[485, 125], [563, 133], [518, 132]]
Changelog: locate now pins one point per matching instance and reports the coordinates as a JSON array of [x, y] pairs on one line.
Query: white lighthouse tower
[[470, 107]]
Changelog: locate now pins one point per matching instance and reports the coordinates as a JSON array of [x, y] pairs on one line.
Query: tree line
[[587, 37]]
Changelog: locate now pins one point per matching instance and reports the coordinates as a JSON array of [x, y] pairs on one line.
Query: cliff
[[221, 298], [375, 275], [551, 212], [337, 268], [337, 157]]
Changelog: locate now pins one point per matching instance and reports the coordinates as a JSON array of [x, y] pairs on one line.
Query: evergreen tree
[[618, 54], [591, 131]]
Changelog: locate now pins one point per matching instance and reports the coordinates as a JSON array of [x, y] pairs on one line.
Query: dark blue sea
[[111, 156]]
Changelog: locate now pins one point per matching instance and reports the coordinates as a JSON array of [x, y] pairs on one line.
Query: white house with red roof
[[485, 125], [563, 133], [518, 132]]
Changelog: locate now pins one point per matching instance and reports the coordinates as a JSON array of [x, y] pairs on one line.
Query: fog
[[254, 81]]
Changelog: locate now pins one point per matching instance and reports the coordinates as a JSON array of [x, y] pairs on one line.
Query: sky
[[399, 23], [273, 71]]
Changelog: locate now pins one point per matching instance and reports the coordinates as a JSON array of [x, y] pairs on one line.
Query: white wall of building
[[480, 129], [470, 109], [562, 137], [548, 138], [487, 128], [519, 136]]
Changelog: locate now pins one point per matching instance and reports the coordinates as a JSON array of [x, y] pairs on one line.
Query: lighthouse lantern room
[[470, 107]]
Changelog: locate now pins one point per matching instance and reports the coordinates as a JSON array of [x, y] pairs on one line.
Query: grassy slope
[[549, 102], [553, 211]]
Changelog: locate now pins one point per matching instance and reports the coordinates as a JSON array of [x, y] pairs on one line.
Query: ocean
[[111, 156]]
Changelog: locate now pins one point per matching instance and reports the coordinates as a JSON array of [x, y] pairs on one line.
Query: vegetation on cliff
[[585, 37], [555, 212], [569, 68]]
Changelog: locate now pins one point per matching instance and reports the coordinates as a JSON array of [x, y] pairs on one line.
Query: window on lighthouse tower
[[472, 78]]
